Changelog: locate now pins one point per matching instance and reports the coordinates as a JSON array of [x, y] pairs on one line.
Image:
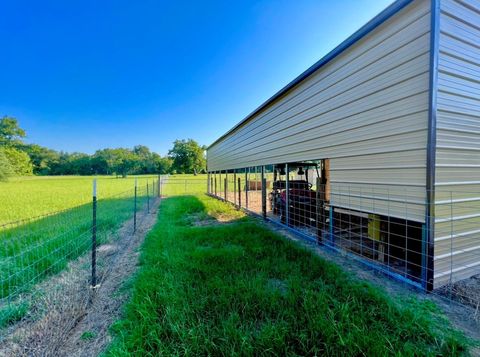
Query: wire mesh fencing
[[383, 226], [65, 251], [179, 185]]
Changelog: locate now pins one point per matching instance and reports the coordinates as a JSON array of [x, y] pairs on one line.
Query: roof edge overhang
[[358, 35]]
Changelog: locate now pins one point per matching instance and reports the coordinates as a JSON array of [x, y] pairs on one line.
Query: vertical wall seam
[[431, 143]]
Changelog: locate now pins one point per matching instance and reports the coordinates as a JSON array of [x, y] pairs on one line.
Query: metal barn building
[[375, 149]]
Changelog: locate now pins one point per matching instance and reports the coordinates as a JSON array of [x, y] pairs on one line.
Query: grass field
[[175, 185], [34, 249], [26, 197], [239, 289]]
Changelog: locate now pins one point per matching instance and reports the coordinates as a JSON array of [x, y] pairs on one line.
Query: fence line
[[383, 227], [34, 249], [362, 222]]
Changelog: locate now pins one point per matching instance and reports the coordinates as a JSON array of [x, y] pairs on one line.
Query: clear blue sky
[[89, 74]]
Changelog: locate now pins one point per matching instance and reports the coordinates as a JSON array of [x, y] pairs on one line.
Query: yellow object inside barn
[[374, 226]]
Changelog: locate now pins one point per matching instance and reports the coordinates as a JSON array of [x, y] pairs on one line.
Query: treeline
[[20, 159]]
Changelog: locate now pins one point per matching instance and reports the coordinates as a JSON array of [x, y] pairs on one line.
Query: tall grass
[[240, 289]]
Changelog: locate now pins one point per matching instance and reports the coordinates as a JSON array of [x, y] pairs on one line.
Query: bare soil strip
[[68, 317]]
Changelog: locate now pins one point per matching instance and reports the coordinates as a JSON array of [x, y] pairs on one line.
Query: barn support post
[[215, 183], [431, 145], [246, 187], [330, 216], [264, 194], [287, 196], [235, 187], [239, 193], [94, 234], [225, 185], [318, 210]]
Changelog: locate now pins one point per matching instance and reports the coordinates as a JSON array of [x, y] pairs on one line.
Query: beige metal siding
[[457, 223], [369, 105]]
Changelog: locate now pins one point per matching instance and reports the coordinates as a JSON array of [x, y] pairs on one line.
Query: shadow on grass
[[35, 250], [241, 289]]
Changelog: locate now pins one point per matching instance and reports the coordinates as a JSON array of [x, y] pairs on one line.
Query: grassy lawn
[[25, 197], [175, 185], [240, 289]]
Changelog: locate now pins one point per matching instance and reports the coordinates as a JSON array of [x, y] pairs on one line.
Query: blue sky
[[84, 75]]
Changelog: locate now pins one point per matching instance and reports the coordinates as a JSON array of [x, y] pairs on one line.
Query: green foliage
[[6, 169], [20, 162], [88, 335], [12, 313], [10, 133], [44, 160], [239, 289], [188, 157]]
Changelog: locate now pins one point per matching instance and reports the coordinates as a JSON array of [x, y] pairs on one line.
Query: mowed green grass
[[177, 185], [26, 197], [241, 289]]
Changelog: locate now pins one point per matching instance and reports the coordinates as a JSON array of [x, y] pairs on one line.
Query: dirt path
[[71, 319]]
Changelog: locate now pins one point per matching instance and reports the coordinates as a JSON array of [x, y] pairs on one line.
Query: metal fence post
[[235, 187], [208, 183], [148, 200], [287, 196], [331, 226], [239, 193], [135, 208], [318, 209], [211, 183], [264, 194], [246, 188], [158, 183], [225, 189], [161, 186], [94, 235]]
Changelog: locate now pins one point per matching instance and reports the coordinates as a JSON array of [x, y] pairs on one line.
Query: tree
[[164, 165], [6, 169], [10, 133], [43, 159], [19, 161], [125, 160], [188, 156], [147, 160], [79, 164]]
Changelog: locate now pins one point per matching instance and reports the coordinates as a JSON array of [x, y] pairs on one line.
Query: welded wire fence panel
[[33, 251], [383, 226], [177, 185]]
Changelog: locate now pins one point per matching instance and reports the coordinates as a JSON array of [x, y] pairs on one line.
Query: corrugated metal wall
[[366, 110], [457, 224]]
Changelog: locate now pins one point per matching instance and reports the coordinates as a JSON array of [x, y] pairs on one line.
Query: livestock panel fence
[[383, 227], [60, 257], [70, 252]]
